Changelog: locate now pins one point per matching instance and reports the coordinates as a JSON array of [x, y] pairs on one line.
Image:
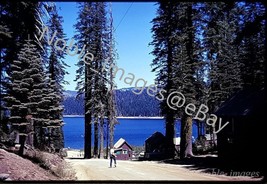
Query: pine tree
[[40, 104], [24, 20], [163, 30], [24, 92], [234, 61], [179, 64], [251, 40], [85, 75], [224, 74], [56, 72], [111, 106], [19, 19], [92, 76], [4, 36], [189, 67], [54, 134], [14, 29]]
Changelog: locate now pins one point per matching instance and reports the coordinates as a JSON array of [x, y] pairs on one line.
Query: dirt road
[[98, 169]]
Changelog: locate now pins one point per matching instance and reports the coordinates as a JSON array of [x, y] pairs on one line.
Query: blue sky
[[132, 37]]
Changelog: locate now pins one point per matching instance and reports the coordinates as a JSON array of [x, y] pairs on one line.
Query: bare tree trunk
[[88, 118], [96, 137], [87, 136], [101, 151], [107, 139], [111, 135], [22, 139], [39, 137], [198, 128], [111, 101], [211, 136], [204, 129], [186, 137], [170, 135]]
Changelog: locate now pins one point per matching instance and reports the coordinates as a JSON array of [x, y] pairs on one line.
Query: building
[[123, 150], [155, 146], [242, 140]]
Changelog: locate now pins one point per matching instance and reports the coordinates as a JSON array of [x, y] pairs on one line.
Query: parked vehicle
[[142, 154]]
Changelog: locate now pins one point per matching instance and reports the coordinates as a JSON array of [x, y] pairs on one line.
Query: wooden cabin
[[155, 146], [123, 150], [243, 139]]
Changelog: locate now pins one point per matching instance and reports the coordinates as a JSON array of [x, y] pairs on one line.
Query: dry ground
[[98, 169], [22, 169]]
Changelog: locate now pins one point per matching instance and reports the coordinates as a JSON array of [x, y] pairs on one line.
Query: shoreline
[[120, 117], [82, 149]]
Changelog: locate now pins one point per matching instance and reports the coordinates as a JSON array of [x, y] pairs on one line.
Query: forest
[[127, 104], [208, 51]]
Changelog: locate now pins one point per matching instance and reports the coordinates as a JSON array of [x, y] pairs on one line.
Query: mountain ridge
[[128, 103]]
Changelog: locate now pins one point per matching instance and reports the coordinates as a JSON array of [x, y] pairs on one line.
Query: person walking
[[112, 156]]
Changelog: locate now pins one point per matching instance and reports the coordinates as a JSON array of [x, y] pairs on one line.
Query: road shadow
[[216, 166], [75, 158]]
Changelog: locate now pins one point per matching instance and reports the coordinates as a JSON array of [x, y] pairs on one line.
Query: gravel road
[[98, 169]]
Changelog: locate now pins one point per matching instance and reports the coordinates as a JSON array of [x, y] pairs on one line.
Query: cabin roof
[[120, 142], [246, 102], [155, 137]]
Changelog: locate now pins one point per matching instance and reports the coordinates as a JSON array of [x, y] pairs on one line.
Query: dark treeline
[[127, 104], [207, 51]]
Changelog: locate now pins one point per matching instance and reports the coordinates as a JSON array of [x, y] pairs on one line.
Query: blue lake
[[134, 131]]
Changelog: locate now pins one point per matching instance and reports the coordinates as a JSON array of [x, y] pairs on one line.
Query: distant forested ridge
[[128, 103]]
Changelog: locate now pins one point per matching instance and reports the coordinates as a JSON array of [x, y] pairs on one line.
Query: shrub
[[52, 162]]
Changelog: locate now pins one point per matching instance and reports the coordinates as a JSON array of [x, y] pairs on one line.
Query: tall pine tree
[[25, 91], [111, 105], [164, 30], [179, 62], [56, 72], [24, 20]]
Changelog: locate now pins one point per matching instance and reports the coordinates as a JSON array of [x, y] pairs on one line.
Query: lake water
[[134, 131]]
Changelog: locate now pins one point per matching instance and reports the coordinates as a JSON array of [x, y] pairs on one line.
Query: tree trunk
[[96, 137], [112, 115], [101, 151], [111, 135], [39, 140], [88, 116], [186, 137], [170, 147], [61, 138], [204, 129], [198, 129], [22, 139], [87, 136], [57, 138]]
